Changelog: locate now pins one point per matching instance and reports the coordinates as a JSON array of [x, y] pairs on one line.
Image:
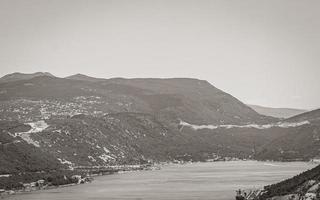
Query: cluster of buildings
[[34, 185], [26, 110]]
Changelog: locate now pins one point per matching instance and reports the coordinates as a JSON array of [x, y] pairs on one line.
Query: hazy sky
[[262, 52]]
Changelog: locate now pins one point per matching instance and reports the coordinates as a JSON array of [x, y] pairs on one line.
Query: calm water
[[201, 181]]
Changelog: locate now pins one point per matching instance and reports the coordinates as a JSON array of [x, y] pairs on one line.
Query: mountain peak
[[83, 77]]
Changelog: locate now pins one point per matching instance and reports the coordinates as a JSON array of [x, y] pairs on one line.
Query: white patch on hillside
[[106, 150], [26, 137], [36, 127], [105, 157], [64, 161], [5, 175], [257, 126], [92, 158]]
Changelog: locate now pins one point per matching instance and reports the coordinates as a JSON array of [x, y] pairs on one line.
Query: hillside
[[199, 99], [191, 100], [17, 155], [126, 138], [277, 112], [133, 138]]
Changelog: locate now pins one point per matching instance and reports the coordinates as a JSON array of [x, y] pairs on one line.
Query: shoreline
[[155, 166], [119, 170]]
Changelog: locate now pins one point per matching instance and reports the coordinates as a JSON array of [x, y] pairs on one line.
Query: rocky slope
[[303, 186]]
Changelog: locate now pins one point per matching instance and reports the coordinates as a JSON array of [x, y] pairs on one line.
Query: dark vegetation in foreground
[[292, 185]]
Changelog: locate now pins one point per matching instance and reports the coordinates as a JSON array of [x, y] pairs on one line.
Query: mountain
[[191, 100], [82, 77], [199, 98], [17, 76], [117, 121], [50, 124], [277, 112], [203, 120]]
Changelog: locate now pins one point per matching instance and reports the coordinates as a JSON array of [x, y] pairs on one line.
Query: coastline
[[116, 169], [155, 166]]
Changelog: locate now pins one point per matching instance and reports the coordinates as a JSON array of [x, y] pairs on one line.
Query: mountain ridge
[[198, 101], [17, 76]]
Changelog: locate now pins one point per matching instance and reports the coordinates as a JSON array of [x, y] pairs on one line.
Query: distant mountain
[[277, 112], [17, 76], [311, 116], [83, 77]]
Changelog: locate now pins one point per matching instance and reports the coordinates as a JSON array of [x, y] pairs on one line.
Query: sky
[[264, 52]]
